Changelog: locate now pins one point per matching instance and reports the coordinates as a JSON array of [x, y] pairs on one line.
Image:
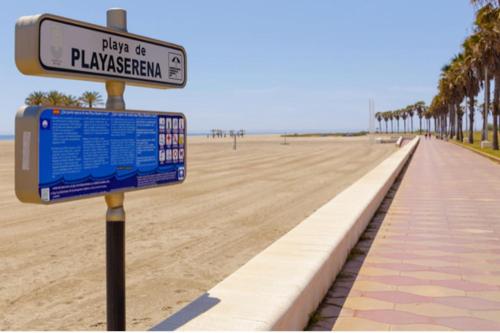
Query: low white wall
[[280, 287]]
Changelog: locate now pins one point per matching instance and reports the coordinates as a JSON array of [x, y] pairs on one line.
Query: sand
[[180, 240]]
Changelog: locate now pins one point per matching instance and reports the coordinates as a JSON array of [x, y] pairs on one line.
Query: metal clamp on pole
[[115, 216]]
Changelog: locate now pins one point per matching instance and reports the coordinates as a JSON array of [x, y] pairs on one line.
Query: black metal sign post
[[115, 216]]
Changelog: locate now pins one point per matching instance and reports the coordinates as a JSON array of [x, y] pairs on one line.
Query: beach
[[180, 240]]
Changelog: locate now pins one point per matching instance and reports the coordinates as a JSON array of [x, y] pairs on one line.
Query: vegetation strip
[[477, 151]]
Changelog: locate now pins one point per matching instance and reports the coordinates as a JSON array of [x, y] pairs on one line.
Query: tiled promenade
[[430, 259]]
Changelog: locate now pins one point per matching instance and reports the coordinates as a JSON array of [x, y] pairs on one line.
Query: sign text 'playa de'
[[50, 45]]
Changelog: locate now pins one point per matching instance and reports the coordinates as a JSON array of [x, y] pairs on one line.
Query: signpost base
[[115, 262]]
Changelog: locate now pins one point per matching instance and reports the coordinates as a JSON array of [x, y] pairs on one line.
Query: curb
[[280, 287]]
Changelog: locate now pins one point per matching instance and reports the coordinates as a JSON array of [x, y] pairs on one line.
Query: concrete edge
[[283, 285]]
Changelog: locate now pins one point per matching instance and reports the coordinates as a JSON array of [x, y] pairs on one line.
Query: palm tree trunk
[[392, 128], [444, 126], [420, 119], [496, 95], [386, 130], [484, 135], [465, 110], [453, 125], [459, 124], [471, 118]]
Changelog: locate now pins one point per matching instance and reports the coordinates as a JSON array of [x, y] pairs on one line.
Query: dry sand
[[180, 240]]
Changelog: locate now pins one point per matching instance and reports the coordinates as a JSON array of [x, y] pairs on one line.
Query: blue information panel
[[85, 152]]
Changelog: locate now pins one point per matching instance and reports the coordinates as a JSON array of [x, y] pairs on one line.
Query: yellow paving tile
[[430, 263], [419, 327], [484, 256], [381, 260], [365, 303], [486, 279], [432, 310], [345, 312], [488, 315], [372, 286], [429, 275], [487, 295], [374, 271], [358, 324], [481, 265], [429, 252], [433, 291]]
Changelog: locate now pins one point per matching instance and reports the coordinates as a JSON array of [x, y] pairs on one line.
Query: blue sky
[[269, 65]]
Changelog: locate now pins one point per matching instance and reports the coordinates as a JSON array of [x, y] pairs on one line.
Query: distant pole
[[115, 216], [371, 119], [234, 141]]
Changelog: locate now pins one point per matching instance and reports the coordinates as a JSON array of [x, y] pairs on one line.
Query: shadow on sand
[[186, 314]]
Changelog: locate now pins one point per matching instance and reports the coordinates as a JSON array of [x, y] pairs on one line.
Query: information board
[[66, 153], [51, 45]]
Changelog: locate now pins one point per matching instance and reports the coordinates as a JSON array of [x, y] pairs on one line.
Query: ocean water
[[4, 137]]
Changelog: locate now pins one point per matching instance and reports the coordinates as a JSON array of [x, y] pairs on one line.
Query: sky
[[265, 65]]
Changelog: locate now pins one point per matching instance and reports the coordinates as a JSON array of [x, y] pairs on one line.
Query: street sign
[[71, 153], [50, 45]]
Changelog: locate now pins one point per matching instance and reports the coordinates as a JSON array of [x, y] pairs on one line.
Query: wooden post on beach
[[115, 215], [234, 141]]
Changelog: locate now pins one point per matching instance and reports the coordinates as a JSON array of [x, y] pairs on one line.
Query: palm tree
[[378, 115], [70, 100], [420, 108], [403, 115], [488, 34], [397, 115], [35, 98], [91, 98], [391, 117], [471, 80], [385, 116], [410, 110], [428, 117], [54, 98]]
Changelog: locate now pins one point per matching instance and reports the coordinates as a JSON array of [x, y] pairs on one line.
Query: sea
[[10, 137], [6, 137]]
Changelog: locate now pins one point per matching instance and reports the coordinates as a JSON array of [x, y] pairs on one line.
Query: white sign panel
[[71, 48]]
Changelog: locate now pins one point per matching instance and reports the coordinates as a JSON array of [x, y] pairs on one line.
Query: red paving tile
[[465, 285], [397, 297], [393, 317], [467, 324], [395, 280], [446, 209], [469, 303]]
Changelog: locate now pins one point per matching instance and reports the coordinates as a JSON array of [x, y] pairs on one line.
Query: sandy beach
[[181, 240]]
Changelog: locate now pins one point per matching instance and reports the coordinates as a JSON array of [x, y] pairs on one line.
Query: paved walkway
[[430, 258]]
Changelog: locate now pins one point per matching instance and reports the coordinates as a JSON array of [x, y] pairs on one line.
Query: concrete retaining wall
[[280, 287]]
